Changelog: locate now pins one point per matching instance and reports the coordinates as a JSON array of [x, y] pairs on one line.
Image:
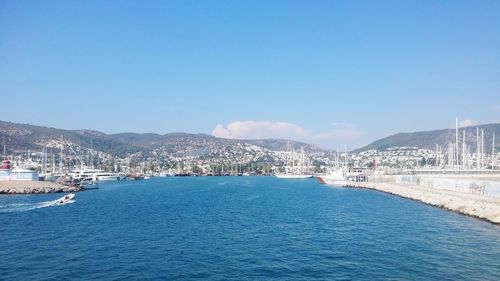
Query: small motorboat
[[65, 199], [88, 184]]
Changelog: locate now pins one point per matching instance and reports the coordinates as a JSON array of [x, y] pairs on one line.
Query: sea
[[240, 228]]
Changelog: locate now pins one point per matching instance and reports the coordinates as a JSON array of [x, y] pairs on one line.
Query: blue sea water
[[240, 228]]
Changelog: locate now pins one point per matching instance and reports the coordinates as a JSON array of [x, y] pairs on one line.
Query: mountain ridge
[[442, 137], [21, 137]]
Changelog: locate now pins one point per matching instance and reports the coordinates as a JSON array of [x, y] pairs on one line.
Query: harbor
[[250, 140]]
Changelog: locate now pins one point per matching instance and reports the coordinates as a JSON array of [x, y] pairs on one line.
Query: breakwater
[[34, 187], [475, 205]]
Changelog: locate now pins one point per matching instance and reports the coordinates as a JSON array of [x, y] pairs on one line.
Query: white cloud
[[467, 123], [259, 130], [338, 134]]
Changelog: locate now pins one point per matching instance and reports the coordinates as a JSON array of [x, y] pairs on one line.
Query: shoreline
[[477, 206], [34, 187]]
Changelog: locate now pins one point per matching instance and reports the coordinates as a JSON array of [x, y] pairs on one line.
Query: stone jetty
[[34, 187], [480, 206]]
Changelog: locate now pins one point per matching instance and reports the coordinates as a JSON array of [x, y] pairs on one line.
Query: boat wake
[[22, 207]]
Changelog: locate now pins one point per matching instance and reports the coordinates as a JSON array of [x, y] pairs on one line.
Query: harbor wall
[[485, 186], [34, 187], [448, 193]]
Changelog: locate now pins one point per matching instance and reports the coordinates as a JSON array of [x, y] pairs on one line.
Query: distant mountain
[[429, 139], [23, 137]]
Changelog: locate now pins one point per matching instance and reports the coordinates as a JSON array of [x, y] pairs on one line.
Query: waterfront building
[[8, 174], [5, 170]]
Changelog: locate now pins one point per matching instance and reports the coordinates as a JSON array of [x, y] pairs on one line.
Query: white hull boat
[[68, 198], [293, 176], [337, 178], [333, 181], [109, 177]]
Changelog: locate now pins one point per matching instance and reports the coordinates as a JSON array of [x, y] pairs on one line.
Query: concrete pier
[[34, 187], [475, 205]]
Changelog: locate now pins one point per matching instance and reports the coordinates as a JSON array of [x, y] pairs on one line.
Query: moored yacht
[[293, 176], [104, 176], [96, 175]]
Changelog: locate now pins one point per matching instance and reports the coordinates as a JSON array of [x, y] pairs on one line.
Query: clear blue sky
[[340, 71]]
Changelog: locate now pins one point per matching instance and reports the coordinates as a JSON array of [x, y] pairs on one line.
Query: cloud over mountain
[[337, 134]]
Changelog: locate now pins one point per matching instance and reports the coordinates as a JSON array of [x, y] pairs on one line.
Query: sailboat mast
[[44, 160], [477, 148], [345, 156], [456, 142], [482, 148], [61, 162], [493, 159], [53, 161], [463, 150], [91, 154]]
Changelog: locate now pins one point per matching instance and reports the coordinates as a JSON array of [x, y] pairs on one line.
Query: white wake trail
[[22, 207]]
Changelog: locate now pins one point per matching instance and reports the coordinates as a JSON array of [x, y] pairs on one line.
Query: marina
[[250, 140]]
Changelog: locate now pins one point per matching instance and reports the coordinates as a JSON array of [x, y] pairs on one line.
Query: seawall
[[34, 187], [479, 206]]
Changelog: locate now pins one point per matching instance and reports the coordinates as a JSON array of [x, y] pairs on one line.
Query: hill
[[23, 137], [429, 139]]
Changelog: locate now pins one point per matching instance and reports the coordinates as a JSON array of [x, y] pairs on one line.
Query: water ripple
[[241, 229]]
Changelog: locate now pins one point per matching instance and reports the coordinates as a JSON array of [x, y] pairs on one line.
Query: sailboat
[[290, 168], [339, 176]]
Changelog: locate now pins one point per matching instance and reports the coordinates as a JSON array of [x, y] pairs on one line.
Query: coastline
[[478, 206], [34, 187]]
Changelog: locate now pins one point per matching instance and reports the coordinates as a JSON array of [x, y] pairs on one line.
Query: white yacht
[[96, 175], [104, 176], [293, 176]]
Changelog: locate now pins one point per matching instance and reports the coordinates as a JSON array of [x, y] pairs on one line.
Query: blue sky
[[327, 72]]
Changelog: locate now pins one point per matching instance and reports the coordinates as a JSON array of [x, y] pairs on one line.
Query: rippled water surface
[[250, 228]]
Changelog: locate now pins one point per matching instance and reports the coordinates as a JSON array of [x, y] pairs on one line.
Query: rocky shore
[[483, 207], [34, 187]]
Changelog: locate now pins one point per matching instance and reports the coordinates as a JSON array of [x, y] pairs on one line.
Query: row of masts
[[293, 157], [461, 157], [341, 159], [44, 169], [51, 164]]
